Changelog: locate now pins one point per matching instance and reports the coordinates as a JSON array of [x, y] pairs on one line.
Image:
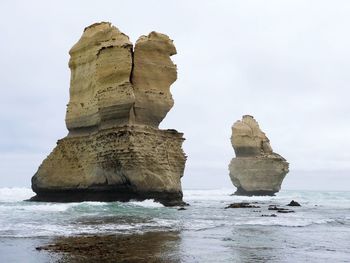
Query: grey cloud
[[285, 62]]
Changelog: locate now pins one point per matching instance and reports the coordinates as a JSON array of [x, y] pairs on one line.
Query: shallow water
[[319, 231]]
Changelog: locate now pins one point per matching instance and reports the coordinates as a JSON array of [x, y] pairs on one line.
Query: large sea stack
[[114, 150], [256, 170]]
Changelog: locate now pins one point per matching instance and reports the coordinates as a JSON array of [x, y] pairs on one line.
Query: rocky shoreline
[[147, 247], [271, 207]]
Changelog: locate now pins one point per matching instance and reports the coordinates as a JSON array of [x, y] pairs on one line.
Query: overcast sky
[[287, 63]]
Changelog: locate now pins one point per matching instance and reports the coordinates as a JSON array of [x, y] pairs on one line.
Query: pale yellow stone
[[114, 149], [113, 85], [256, 169], [153, 73], [143, 158], [247, 138], [101, 94]]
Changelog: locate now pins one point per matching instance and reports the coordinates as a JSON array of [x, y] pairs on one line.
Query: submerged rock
[[114, 149], [280, 209], [271, 215], [256, 170], [284, 211], [241, 205]]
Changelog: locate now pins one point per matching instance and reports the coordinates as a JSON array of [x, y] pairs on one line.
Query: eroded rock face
[[101, 93], [152, 76], [114, 149], [256, 170]]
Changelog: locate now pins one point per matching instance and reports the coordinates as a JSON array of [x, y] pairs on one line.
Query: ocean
[[318, 231]]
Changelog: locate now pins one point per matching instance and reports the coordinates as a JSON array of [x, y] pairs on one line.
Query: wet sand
[[147, 247]]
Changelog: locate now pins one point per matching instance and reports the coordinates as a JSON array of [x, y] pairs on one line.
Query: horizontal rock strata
[[256, 170], [114, 149], [101, 92], [129, 162]]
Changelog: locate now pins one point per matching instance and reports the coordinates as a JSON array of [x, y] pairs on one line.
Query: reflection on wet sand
[[264, 240], [147, 247]]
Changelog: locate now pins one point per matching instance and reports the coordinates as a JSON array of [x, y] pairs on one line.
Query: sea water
[[318, 231]]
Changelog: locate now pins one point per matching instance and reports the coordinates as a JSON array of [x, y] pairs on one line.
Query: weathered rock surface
[[152, 76], [256, 170], [241, 205], [280, 209], [293, 203], [101, 93], [114, 149]]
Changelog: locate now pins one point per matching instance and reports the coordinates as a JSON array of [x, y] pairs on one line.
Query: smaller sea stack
[[256, 170]]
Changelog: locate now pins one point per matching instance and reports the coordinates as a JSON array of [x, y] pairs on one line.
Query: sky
[[287, 63]]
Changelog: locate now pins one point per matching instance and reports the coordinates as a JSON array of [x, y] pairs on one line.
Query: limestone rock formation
[[152, 76], [256, 170], [101, 92], [114, 149]]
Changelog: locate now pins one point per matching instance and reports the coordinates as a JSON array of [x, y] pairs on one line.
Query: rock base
[[258, 176], [125, 195], [241, 191], [118, 164]]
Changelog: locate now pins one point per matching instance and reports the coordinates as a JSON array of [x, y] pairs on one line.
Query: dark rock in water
[[181, 209], [293, 203], [280, 209], [114, 150], [285, 211], [272, 215], [241, 205], [256, 170], [274, 207]]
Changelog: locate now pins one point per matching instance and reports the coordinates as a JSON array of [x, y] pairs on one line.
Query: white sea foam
[[15, 194], [202, 224], [93, 203], [44, 207], [26, 219], [38, 207], [290, 222], [33, 229], [224, 194], [83, 207], [208, 195], [306, 198], [147, 203]]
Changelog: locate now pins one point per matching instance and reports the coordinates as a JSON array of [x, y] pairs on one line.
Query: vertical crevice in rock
[[132, 65], [132, 110]]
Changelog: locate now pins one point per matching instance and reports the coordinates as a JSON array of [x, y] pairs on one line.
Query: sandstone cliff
[[256, 170], [114, 149]]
